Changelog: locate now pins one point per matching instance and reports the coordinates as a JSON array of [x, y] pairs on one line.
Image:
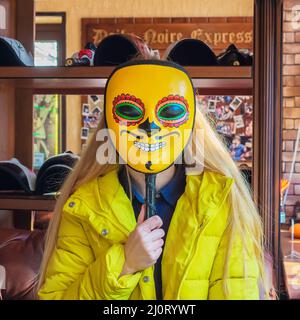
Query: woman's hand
[[144, 244]]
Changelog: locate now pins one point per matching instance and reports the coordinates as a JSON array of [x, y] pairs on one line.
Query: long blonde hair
[[243, 218]]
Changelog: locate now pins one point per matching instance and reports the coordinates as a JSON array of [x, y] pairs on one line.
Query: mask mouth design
[[149, 147]]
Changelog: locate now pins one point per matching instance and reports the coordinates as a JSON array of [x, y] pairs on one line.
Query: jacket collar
[[103, 201], [170, 192]]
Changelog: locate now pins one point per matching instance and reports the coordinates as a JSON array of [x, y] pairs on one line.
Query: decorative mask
[[150, 111]]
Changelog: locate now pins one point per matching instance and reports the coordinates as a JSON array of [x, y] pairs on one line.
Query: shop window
[[48, 122], [46, 109], [45, 127]]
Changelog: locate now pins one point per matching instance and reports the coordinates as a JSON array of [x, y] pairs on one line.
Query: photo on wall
[[92, 111], [233, 120]]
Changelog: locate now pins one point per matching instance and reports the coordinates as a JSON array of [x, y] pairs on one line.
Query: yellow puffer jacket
[[97, 220]]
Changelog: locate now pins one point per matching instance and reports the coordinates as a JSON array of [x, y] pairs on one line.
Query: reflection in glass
[[45, 53], [46, 109], [45, 128]]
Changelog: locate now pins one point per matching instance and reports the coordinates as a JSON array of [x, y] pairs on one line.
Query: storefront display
[[17, 178]]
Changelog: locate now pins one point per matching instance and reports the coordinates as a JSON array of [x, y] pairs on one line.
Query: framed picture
[[239, 121], [96, 112], [85, 109], [211, 105], [235, 103], [84, 133], [94, 99], [223, 112], [248, 109], [93, 122]]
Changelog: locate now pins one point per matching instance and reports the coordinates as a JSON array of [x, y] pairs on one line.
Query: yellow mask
[[150, 110]]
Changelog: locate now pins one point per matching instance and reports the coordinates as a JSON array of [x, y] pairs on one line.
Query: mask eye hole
[[172, 111], [128, 110]]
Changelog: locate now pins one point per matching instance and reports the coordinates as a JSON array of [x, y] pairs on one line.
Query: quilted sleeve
[[74, 273], [242, 281]]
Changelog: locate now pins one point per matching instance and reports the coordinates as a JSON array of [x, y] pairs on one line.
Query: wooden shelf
[[91, 80], [26, 202], [54, 72], [104, 72]]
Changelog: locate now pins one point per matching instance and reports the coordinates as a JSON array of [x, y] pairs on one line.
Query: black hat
[[120, 48], [54, 171], [16, 177], [12, 53], [235, 57], [191, 52]]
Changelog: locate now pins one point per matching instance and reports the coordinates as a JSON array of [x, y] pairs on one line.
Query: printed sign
[[218, 35]]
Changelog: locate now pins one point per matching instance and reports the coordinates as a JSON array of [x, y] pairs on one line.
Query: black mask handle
[[150, 195]]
